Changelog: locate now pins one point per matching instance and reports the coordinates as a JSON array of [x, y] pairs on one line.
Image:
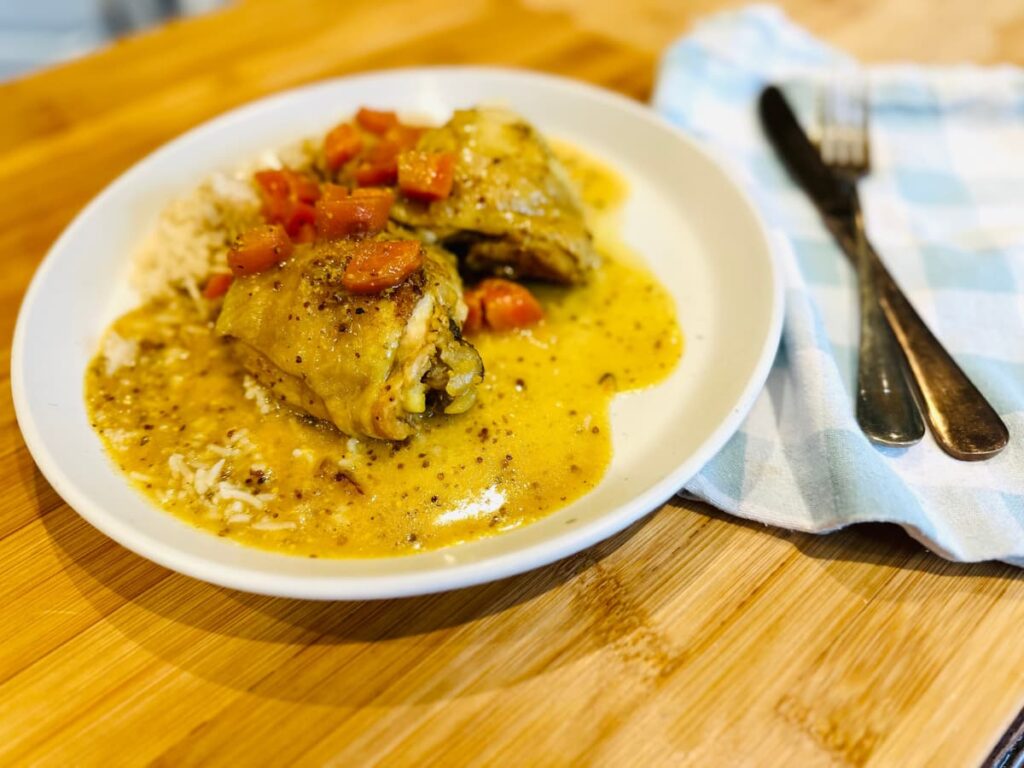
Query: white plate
[[696, 229]]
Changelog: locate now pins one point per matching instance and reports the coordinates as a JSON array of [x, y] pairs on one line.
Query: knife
[[963, 422], [886, 409]]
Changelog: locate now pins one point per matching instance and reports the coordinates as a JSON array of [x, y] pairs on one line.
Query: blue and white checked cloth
[[945, 208]]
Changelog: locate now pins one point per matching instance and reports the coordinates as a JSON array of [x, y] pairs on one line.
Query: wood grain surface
[[689, 639]]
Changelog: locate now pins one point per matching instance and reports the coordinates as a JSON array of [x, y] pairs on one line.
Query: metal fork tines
[[886, 409], [845, 134]]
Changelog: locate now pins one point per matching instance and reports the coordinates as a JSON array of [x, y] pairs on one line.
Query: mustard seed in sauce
[[521, 452]]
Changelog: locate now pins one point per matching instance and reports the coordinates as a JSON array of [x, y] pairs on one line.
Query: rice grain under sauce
[[205, 442]]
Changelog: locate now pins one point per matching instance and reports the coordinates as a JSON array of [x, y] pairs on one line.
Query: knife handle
[[886, 409], [963, 422], [965, 425]]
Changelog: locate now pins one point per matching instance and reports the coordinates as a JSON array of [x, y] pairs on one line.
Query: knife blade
[[829, 193], [885, 407], [963, 422]]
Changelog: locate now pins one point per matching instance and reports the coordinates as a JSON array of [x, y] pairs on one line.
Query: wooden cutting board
[[689, 639]]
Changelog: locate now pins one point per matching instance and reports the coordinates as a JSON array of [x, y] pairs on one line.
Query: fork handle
[[886, 409], [963, 422]]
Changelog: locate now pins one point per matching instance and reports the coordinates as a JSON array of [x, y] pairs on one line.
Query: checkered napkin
[[945, 208]]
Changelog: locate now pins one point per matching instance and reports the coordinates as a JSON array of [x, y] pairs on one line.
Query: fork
[[963, 422], [886, 409]]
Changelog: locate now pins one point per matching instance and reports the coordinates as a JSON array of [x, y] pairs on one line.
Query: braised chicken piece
[[370, 361], [510, 210]]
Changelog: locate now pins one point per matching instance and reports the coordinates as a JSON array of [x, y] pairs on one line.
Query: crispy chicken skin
[[365, 363], [511, 210]]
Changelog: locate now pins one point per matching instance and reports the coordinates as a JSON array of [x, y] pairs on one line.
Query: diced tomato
[[376, 121], [373, 192], [306, 233], [288, 183], [288, 198], [369, 174], [272, 183], [500, 305], [475, 311], [509, 305], [217, 285], [379, 165], [426, 175], [380, 264], [341, 144], [305, 188], [296, 217], [259, 249], [339, 214], [405, 136]]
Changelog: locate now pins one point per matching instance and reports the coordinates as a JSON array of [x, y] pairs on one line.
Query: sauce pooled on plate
[[199, 436]]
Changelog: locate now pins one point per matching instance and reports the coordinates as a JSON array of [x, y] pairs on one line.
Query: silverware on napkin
[[962, 421], [886, 409]]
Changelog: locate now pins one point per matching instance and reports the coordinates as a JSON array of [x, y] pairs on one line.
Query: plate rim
[[457, 576]]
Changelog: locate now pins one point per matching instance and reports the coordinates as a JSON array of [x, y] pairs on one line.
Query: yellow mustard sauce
[[192, 431]]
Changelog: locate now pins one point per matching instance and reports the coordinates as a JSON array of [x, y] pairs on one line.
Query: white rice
[[267, 524], [118, 437], [118, 352], [256, 393], [227, 491], [303, 453], [205, 478], [192, 235], [188, 242], [221, 450], [179, 468]]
